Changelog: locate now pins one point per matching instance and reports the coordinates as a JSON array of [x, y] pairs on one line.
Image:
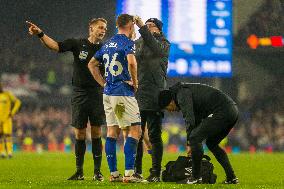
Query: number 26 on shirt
[[112, 66]]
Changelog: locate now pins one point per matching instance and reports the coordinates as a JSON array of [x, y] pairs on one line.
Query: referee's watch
[[40, 35]]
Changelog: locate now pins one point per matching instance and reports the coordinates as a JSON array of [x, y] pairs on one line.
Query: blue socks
[[110, 148], [130, 148]]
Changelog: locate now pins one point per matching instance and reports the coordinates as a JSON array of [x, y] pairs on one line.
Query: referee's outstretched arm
[[46, 40]]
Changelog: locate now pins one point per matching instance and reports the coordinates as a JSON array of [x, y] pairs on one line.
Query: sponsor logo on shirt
[[83, 55], [114, 45]]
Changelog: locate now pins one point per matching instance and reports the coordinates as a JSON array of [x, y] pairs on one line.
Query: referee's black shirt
[[83, 50]]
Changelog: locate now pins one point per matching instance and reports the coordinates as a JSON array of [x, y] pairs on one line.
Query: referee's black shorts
[[87, 105]]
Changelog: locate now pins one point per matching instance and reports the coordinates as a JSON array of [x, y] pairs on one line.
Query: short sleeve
[[67, 45], [130, 48], [99, 55]]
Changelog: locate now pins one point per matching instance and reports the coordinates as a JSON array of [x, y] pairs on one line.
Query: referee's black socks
[[97, 153], [80, 149]]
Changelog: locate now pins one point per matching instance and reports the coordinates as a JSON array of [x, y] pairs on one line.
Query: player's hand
[[135, 86], [33, 29], [138, 21]]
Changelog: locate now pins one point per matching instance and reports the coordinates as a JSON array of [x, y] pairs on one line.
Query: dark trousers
[[213, 129], [153, 120]]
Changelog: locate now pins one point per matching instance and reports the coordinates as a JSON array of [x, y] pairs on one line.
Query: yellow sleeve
[[16, 104]]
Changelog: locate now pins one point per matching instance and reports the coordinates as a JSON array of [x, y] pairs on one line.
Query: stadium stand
[[43, 122]]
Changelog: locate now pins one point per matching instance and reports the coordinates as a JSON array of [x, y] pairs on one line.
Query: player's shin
[[130, 148], [110, 149], [2, 146], [9, 144]]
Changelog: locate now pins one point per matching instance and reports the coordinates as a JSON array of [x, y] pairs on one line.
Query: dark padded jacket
[[197, 101], [152, 52]]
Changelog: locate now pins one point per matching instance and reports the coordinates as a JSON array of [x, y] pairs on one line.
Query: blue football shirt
[[113, 55]]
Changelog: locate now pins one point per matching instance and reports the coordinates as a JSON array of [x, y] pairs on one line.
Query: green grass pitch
[[50, 170]]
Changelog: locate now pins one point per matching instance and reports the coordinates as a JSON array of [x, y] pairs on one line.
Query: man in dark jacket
[[209, 114], [152, 52]]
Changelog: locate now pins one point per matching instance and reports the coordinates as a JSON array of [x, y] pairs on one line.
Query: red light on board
[[276, 41]]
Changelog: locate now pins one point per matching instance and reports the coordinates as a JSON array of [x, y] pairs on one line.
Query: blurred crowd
[[261, 129], [45, 126], [42, 129], [49, 129]]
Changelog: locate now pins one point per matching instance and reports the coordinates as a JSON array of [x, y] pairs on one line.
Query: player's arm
[[16, 104], [132, 67], [93, 66], [46, 40]]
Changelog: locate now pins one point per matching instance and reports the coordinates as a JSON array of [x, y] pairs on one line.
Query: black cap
[[165, 98], [157, 22]]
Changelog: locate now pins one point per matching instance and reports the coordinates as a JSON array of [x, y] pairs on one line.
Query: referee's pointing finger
[[30, 23]]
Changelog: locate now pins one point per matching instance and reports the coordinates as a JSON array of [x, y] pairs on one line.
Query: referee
[[87, 104]]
